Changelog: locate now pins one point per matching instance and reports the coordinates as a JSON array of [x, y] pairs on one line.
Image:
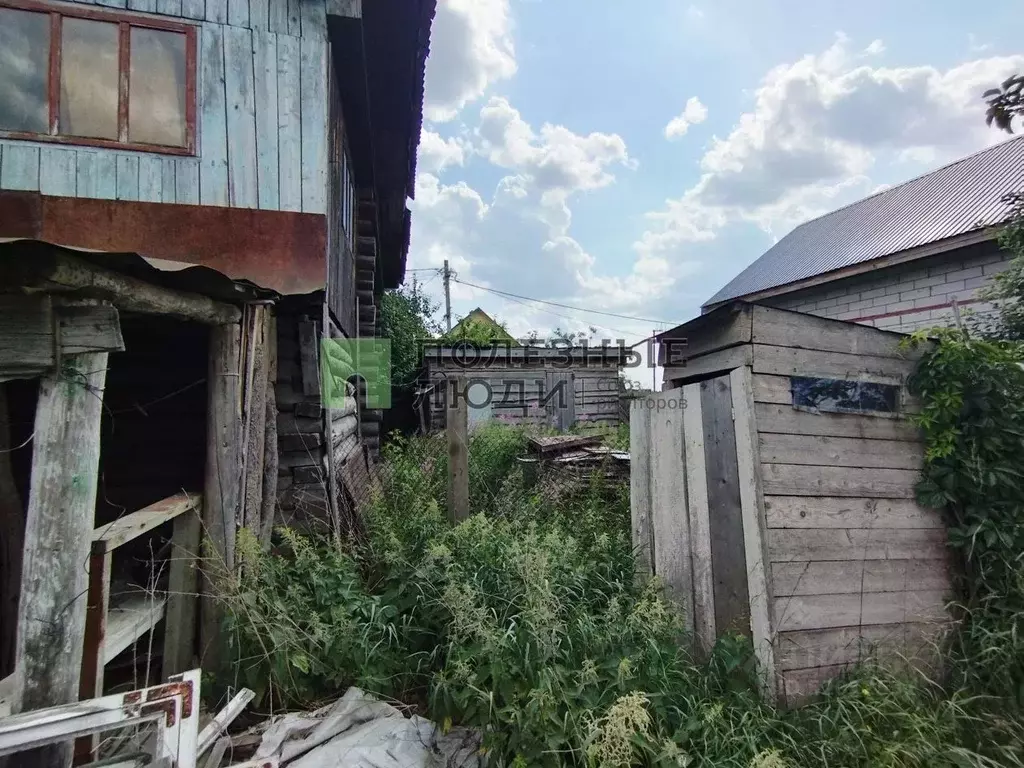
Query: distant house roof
[[960, 198], [479, 317]]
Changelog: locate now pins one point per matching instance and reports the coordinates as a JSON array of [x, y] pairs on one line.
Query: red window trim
[[125, 21]]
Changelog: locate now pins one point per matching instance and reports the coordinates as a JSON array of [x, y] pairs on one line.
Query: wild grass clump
[[527, 622]]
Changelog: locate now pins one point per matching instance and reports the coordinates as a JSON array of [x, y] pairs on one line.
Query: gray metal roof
[[953, 200]]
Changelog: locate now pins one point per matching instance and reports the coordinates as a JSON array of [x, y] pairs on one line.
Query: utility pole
[[447, 296], [653, 361]]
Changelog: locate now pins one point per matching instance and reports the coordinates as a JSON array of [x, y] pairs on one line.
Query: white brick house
[[896, 260]]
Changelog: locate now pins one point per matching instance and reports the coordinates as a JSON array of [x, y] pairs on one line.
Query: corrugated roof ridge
[[920, 176]]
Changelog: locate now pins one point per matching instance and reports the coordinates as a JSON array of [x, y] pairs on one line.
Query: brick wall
[[908, 296]]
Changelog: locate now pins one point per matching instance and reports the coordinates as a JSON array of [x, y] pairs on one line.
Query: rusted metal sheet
[[281, 250]]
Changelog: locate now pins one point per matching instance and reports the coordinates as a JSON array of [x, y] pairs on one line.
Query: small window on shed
[[844, 396]]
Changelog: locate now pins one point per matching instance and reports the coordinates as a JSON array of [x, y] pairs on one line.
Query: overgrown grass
[[527, 622]]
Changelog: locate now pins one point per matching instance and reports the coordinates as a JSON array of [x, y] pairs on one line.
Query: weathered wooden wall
[[261, 118], [856, 564], [595, 391]]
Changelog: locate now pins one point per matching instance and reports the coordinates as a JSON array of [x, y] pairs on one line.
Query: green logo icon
[[346, 365]]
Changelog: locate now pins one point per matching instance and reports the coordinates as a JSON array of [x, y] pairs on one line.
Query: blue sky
[[633, 157]]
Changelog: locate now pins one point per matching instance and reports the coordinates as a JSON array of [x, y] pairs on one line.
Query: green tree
[[1005, 104], [407, 319], [478, 332]]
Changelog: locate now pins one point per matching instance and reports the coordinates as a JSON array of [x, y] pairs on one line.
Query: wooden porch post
[[222, 496], [58, 534]]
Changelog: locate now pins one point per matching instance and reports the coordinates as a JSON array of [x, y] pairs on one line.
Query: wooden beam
[[62, 500], [254, 414], [640, 485], [222, 492], [109, 537], [457, 430], [752, 505], [12, 541], [182, 595], [704, 630], [56, 272]]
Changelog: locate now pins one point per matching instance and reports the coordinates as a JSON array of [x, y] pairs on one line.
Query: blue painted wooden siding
[[261, 118]]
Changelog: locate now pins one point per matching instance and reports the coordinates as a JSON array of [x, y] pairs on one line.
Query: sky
[[634, 157]]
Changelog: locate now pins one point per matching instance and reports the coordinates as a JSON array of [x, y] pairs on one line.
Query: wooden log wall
[[306, 431], [857, 566], [261, 118]]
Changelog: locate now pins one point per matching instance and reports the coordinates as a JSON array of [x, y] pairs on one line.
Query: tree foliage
[[407, 319], [1006, 102]]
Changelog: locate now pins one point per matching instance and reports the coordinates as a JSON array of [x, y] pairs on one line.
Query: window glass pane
[[24, 61], [842, 396], [156, 87], [88, 79]]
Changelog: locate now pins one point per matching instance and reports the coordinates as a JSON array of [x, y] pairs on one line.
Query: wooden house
[[557, 387], [194, 194], [774, 492]]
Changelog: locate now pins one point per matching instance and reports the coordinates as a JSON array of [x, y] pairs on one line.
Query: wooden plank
[[93, 327], [57, 171], [830, 512], [308, 356], [168, 7], [313, 94], [109, 537], [186, 181], [238, 15], [791, 329], [146, 6], [705, 335], [772, 389], [182, 595], [560, 407], [457, 430], [12, 541], [127, 177], [279, 16], [837, 577], [241, 117], [352, 9], [93, 661], [800, 545], [640, 485], [790, 361], [8, 689], [728, 557], [26, 326], [822, 611], [669, 516], [709, 365], [253, 413], [294, 23], [168, 180], [266, 103], [96, 175], [62, 498], [848, 645], [313, 18], [802, 480], [222, 492], [800, 685], [840, 451], [705, 632], [193, 9], [217, 11], [289, 108], [151, 178], [20, 169], [213, 171], [128, 621], [259, 15], [752, 504], [788, 420]]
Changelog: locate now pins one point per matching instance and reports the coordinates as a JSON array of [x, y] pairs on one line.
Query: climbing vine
[[972, 395]]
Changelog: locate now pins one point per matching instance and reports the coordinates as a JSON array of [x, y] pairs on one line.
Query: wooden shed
[[773, 487], [526, 385]]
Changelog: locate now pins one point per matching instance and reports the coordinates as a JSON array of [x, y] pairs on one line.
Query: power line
[[548, 311], [566, 306]]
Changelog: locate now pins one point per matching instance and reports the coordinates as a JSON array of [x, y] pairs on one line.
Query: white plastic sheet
[[357, 731]]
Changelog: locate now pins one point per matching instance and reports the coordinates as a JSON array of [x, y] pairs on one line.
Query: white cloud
[[812, 139], [471, 48], [693, 113], [437, 153]]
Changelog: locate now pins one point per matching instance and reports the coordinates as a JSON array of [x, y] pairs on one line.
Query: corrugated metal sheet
[[956, 199]]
